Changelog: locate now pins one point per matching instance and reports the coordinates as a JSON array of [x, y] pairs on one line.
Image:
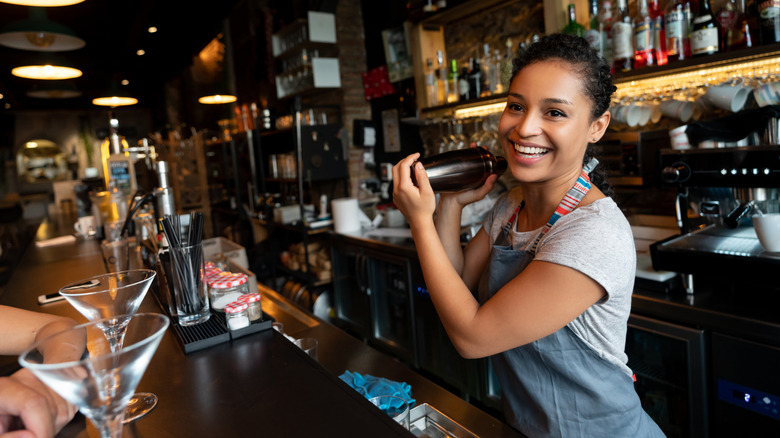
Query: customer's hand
[[29, 408]]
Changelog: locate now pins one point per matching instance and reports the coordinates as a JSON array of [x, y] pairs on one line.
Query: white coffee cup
[[627, 114], [85, 226], [728, 97], [679, 138], [681, 110], [645, 112], [767, 228], [767, 94]]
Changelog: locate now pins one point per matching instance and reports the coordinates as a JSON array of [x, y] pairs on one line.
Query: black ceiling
[[114, 30]]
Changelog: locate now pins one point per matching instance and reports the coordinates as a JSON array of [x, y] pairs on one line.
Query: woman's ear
[[599, 126]]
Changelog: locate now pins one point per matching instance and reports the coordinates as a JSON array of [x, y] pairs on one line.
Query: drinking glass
[[102, 380], [111, 298]]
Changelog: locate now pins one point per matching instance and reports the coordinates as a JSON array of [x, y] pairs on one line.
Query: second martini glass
[[113, 298]]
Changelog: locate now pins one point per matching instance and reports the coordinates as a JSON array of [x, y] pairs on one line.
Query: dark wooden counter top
[[260, 384]]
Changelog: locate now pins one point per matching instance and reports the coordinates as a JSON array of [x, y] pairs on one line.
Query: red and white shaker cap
[[226, 280], [236, 306], [250, 297]]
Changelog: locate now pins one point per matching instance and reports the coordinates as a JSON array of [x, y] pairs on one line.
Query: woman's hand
[[415, 202], [30, 408], [466, 197]]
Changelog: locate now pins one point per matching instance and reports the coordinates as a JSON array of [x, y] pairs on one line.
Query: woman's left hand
[[415, 202]]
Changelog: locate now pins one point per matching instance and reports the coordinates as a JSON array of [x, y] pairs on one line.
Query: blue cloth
[[370, 386]]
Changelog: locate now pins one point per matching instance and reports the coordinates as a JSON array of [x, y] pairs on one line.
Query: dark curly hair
[[592, 69]]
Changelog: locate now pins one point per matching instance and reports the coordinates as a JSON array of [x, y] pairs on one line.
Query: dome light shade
[[40, 34], [217, 99], [43, 3], [114, 101], [47, 72]]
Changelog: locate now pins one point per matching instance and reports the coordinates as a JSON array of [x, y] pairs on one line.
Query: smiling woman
[[553, 265]]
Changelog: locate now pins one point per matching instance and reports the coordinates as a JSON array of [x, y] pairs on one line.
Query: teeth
[[529, 150]]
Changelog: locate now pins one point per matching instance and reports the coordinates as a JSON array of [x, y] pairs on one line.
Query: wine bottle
[[705, 36], [572, 27], [461, 169], [622, 44], [441, 79], [463, 85], [659, 32], [678, 43], [769, 21], [452, 82], [643, 36], [605, 27], [593, 34]]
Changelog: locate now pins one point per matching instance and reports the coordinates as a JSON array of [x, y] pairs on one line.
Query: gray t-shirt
[[595, 239]]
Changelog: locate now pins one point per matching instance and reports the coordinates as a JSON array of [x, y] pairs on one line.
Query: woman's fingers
[[401, 171]]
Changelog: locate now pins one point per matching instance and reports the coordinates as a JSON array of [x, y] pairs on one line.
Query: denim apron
[[558, 385]]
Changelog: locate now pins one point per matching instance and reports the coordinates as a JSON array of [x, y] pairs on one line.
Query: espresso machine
[[718, 190]]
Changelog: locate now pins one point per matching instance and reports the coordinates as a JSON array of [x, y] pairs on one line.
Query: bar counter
[[260, 384]]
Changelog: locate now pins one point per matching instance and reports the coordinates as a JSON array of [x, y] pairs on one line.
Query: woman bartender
[[554, 261]]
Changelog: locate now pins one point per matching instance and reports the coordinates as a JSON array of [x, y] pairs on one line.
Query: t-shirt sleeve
[[600, 246]]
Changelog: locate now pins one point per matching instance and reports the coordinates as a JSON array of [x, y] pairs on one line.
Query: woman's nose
[[528, 125]]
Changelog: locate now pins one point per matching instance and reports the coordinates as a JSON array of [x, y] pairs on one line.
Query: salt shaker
[[462, 169], [254, 310], [236, 315], [226, 287]]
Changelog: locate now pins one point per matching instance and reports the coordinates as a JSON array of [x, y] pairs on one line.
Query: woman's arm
[[544, 298]]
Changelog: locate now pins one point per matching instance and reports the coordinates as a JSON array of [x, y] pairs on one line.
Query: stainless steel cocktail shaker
[[461, 169]]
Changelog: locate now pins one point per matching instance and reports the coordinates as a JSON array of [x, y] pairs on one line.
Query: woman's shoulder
[[601, 215]]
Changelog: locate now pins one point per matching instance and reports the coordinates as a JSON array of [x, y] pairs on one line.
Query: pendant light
[[115, 96], [40, 34], [47, 66], [221, 91], [43, 3]]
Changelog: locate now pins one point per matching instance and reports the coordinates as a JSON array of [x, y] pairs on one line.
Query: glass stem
[[112, 426]]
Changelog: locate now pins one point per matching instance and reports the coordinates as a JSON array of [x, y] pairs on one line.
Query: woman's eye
[[556, 113], [515, 107]]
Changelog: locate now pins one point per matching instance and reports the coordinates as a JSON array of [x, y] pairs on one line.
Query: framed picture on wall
[[390, 129], [398, 53]]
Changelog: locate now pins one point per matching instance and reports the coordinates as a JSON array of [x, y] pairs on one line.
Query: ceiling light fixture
[[152, 29], [44, 3], [46, 72], [140, 52], [115, 97], [40, 34], [217, 99]]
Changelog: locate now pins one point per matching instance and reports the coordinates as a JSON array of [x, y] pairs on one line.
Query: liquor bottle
[[431, 92], [121, 168], [677, 20], [441, 79], [464, 89], [461, 169], [643, 36], [741, 36], [593, 34], [475, 78], [705, 37], [769, 21], [497, 86], [659, 32], [452, 82], [506, 66], [486, 64], [728, 22], [622, 44], [605, 27], [572, 27]]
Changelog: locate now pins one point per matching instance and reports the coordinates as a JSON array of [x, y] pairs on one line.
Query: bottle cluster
[[484, 74], [658, 32]]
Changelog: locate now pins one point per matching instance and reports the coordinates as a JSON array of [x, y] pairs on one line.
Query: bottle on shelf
[[677, 20], [593, 34], [769, 21], [644, 37], [431, 91], [622, 36], [506, 66], [605, 28], [464, 88], [475, 78], [496, 84], [121, 168], [486, 64], [441, 79], [741, 36], [659, 32], [705, 36], [572, 27], [728, 21], [452, 82]]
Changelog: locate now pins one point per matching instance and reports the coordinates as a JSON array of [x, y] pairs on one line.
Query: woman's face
[[546, 126]]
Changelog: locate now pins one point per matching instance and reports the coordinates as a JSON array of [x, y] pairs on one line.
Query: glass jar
[[254, 310], [236, 316], [226, 287]]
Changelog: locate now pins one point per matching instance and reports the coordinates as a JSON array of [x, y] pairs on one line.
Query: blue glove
[[369, 386]]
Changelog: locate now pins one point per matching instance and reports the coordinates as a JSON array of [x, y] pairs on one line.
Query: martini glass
[[91, 373], [113, 298]]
